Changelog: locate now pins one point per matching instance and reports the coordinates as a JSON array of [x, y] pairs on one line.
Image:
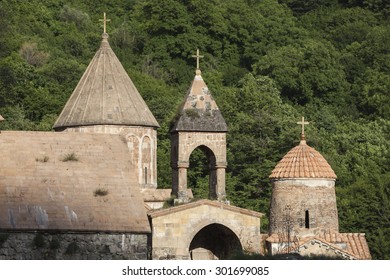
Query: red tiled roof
[[303, 161], [356, 243]]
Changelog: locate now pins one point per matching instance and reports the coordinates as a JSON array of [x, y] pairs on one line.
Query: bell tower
[[199, 124]]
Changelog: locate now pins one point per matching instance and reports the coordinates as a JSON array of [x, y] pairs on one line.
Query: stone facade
[[183, 231], [306, 206], [183, 143], [303, 210], [142, 144], [73, 246]]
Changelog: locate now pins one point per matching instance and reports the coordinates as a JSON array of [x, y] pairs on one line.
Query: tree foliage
[[266, 62]]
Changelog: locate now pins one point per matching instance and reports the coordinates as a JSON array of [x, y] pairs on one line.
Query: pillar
[[179, 181]]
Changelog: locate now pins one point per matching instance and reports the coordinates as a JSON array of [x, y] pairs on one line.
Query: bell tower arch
[[200, 124]]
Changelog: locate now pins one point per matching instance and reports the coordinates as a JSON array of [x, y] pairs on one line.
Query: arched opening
[[146, 168], [201, 176], [307, 219], [214, 241]]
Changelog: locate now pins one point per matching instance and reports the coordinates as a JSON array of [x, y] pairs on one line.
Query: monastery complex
[[88, 189]]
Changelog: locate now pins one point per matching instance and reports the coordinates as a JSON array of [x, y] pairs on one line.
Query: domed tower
[[303, 195], [106, 101]]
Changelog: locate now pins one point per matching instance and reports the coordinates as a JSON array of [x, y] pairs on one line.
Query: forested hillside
[[266, 62]]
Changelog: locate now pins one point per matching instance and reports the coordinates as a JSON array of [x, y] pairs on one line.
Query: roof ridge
[[214, 203]]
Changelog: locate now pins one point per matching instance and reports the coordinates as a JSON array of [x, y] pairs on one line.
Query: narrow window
[[307, 219], [146, 175]]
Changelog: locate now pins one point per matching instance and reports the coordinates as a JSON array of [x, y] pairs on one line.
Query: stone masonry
[[175, 228], [309, 206], [142, 144], [72, 246], [214, 145]]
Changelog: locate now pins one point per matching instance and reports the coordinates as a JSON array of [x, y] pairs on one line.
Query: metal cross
[[197, 58], [302, 122], [104, 20]]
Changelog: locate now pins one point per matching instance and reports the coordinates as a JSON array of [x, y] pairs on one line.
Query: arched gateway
[[204, 229], [214, 241]]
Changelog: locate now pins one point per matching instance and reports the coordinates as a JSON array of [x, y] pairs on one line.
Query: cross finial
[[197, 56], [302, 123], [104, 20]]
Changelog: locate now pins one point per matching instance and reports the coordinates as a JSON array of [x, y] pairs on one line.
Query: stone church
[[88, 190]]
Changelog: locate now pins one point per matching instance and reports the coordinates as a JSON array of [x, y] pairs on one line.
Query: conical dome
[[105, 95], [303, 161], [199, 111]]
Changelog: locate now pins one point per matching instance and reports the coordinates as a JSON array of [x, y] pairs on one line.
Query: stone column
[[179, 188], [220, 170], [213, 183]]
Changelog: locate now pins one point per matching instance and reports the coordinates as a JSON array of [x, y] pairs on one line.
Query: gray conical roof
[[199, 111], [105, 95]]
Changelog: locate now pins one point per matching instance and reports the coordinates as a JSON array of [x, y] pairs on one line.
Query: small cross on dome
[[302, 123]]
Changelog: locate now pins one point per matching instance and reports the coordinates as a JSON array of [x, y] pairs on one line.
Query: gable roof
[[212, 203], [303, 161], [199, 111], [105, 95], [40, 190]]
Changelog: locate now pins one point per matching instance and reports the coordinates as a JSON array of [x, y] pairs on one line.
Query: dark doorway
[[214, 241]]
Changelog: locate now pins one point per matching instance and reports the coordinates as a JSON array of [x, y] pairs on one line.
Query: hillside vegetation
[[266, 62]]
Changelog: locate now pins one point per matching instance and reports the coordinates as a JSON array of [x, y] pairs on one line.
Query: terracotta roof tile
[[303, 161], [356, 243]]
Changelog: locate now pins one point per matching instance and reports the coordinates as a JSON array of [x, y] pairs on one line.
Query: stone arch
[[207, 149], [214, 241], [214, 146], [211, 162]]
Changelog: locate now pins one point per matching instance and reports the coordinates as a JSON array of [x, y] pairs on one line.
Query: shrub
[[100, 192], [70, 157]]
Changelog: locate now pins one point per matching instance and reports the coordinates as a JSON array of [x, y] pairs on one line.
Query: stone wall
[[72, 246], [174, 228], [309, 206], [142, 144], [214, 146]]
